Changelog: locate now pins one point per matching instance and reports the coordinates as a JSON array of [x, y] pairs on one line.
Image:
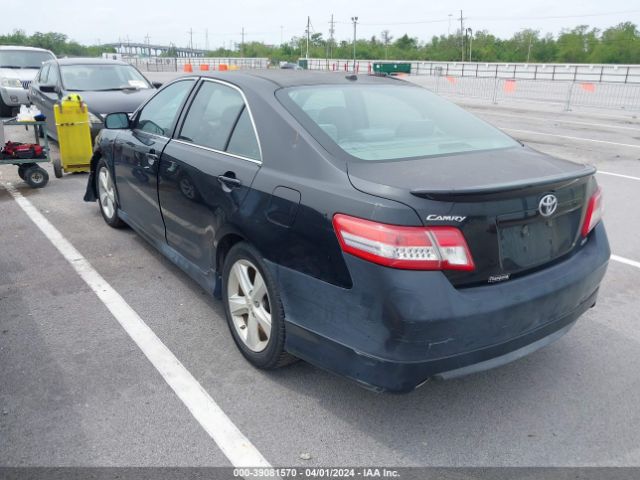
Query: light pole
[[470, 33], [355, 22]]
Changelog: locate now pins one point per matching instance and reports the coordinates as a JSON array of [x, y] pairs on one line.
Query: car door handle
[[230, 182], [151, 159]]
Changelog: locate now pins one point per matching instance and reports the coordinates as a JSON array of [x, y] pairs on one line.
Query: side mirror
[[117, 121], [49, 89], [156, 84]]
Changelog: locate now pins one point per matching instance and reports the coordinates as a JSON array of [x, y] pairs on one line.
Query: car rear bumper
[[14, 97], [395, 329]]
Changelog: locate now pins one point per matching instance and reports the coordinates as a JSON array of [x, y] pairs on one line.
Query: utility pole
[[470, 32], [147, 41], [461, 36], [281, 30], [449, 29], [242, 44], [206, 39], [355, 22], [190, 32], [308, 30], [529, 49], [331, 32]]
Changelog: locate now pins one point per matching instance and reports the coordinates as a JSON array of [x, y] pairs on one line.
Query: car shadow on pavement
[[544, 409]]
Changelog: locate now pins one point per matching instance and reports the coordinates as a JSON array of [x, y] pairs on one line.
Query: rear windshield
[[390, 122], [23, 58], [101, 77]]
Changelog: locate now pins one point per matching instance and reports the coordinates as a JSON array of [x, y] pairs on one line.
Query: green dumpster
[[392, 68]]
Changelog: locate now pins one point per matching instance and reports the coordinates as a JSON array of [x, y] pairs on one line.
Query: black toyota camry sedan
[[360, 223]]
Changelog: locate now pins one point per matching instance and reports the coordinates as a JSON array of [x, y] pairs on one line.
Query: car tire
[[23, 168], [107, 198], [247, 318], [5, 110], [57, 168], [36, 177]]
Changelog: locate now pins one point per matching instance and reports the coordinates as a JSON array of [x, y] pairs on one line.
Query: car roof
[[89, 61], [20, 47], [292, 78]]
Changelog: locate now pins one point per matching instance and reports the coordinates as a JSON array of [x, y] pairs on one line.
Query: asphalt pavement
[[75, 389]]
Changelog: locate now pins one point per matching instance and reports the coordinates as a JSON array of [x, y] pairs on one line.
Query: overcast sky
[[168, 21]]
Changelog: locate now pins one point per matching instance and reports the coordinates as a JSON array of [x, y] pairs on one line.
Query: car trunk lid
[[494, 198]]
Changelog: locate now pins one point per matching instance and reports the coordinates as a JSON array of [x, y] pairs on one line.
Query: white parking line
[[618, 175], [582, 139], [626, 261], [235, 446], [560, 120]]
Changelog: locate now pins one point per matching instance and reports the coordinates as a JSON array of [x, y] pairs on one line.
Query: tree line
[[582, 44], [58, 43]]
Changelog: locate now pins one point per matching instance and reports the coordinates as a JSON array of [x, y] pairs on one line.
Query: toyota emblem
[[548, 205]]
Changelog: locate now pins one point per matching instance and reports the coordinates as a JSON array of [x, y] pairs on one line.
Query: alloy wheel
[[249, 305], [106, 193]]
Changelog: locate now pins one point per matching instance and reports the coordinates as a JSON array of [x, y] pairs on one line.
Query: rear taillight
[[595, 209], [414, 248]]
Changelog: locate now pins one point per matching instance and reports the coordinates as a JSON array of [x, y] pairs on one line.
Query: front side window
[[389, 122], [53, 78], [102, 77], [218, 118], [44, 75], [158, 115]]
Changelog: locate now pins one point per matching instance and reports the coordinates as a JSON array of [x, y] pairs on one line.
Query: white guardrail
[[595, 73], [570, 85], [182, 64]]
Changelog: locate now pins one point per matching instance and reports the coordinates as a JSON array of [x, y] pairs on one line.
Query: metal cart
[[28, 168]]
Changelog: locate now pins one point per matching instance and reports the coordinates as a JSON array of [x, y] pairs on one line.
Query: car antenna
[[353, 77]]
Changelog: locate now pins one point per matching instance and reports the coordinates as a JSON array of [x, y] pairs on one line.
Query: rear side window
[[212, 116], [219, 119], [243, 142], [158, 115]]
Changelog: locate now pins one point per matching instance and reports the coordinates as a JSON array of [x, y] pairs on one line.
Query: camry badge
[[548, 205], [446, 218]]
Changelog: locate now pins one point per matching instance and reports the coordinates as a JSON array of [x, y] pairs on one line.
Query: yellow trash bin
[[74, 136]]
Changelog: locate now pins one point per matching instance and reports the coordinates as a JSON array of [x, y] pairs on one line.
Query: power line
[[544, 17], [421, 22], [551, 17]]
